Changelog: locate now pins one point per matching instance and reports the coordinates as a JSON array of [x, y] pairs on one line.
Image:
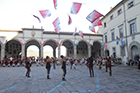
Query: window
[[104, 24], [130, 4], [121, 31], [112, 35], [132, 26], [106, 38], [111, 17], [122, 51], [120, 11]]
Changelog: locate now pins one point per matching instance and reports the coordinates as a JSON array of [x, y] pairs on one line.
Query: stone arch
[[32, 42], [133, 43]]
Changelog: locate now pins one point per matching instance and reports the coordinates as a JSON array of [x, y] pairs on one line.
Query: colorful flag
[[20, 41], [81, 34], [97, 22], [105, 46], [93, 16], [56, 22], [70, 20], [117, 40], [40, 42], [43, 42], [102, 44], [37, 18], [74, 31], [91, 42], [61, 43], [77, 42], [45, 13], [57, 42], [73, 43], [57, 30], [121, 41], [55, 3], [0, 42], [75, 8]]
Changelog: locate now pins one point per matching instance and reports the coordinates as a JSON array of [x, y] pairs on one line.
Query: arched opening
[[68, 48], [63, 51], [82, 49], [47, 51], [134, 51], [96, 49], [13, 49], [32, 51], [106, 52], [36, 44]]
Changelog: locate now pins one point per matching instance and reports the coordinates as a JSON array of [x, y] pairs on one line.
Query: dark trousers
[[48, 71], [91, 71], [64, 73]]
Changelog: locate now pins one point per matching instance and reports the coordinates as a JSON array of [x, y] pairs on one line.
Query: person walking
[[90, 66], [48, 66], [28, 66], [63, 67], [109, 65]]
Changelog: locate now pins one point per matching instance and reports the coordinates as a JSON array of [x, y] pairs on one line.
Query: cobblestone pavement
[[124, 79]]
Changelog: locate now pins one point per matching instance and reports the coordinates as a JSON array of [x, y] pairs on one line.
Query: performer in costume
[[3, 62], [13, 62], [54, 62], [48, 66], [18, 61], [8, 61], [28, 66], [63, 67], [90, 66], [109, 65], [100, 63]]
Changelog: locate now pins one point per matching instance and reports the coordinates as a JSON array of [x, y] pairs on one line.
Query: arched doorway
[[96, 49], [134, 51], [106, 52], [47, 51], [32, 51], [13, 49], [32, 42], [82, 49], [68, 48]]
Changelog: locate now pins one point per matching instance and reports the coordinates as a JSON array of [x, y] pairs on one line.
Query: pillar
[[23, 50], [59, 52], [41, 48], [75, 52], [54, 52], [89, 50], [2, 51]]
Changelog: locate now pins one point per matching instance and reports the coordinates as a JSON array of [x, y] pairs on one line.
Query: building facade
[[90, 45], [121, 30]]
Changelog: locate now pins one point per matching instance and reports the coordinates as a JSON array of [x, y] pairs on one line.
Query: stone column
[[59, 52], [2, 51], [54, 52], [41, 47], [89, 50], [23, 50], [75, 52]]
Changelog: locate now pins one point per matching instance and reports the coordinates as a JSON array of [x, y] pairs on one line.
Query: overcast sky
[[17, 14]]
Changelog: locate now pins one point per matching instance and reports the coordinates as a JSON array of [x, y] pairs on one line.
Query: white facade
[[122, 22]]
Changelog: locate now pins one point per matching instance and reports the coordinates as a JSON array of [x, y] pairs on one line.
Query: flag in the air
[[45, 13], [70, 20], [117, 40], [74, 31], [75, 8], [56, 22], [57, 30], [77, 42], [105, 46], [97, 22], [55, 3], [93, 16], [81, 34], [37, 18]]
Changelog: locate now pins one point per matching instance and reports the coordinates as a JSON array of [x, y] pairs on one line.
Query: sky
[[17, 14]]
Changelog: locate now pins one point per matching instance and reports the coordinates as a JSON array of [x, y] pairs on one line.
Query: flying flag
[[97, 22], [74, 31], [93, 16], [117, 40], [81, 34], [57, 30], [55, 3], [75, 8], [45, 13], [77, 42], [73, 43], [70, 20], [37, 18], [56, 22]]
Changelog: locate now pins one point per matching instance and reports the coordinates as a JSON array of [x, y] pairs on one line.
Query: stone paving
[[124, 79]]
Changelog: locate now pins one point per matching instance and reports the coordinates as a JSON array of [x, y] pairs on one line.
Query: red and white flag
[[57, 42], [75, 8], [56, 22], [70, 20], [55, 3], [93, 16], [81, 34], [74, 31], [97, 22], [45, 13], [37, 18], [57, 30]]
